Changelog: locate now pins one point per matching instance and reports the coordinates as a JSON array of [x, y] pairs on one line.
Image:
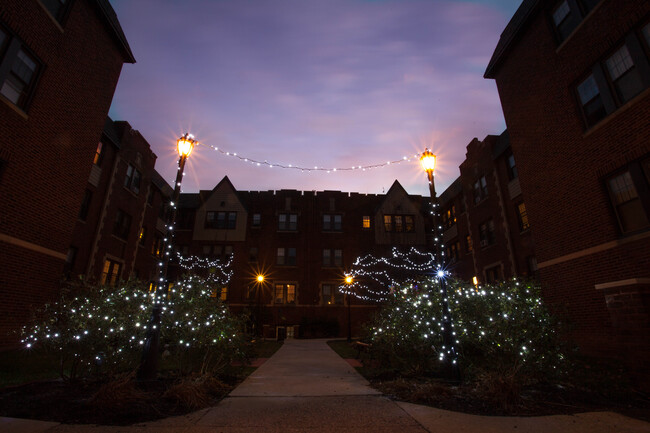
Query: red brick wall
[[562, 165], [50, 152]]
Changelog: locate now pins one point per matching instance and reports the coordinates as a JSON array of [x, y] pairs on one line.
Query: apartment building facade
[[303, 243], [574, 81], [486, 230], [120, 225], [59, 65]]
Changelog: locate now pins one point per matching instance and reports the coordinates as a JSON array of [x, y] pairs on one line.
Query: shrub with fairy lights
[[101, 329], [502, 328], [91, 328]]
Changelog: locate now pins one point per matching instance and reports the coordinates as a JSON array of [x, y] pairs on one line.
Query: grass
[[344, 349], [265, 348]]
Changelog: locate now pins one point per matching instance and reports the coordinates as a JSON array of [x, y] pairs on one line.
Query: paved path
[[306, 387]]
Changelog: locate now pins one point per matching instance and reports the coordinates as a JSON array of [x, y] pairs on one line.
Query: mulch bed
[[74, 402], [537, 401]]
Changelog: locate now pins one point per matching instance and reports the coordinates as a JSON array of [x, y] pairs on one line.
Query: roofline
[[510, 35], [109, 15]]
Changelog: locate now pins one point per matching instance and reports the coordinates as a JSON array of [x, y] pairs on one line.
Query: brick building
[[120, 225], [59, 65], [303, 242], [486, 229], [574, 81]]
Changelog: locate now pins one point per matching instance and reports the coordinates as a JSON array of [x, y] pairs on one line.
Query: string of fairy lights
[[258, 162]]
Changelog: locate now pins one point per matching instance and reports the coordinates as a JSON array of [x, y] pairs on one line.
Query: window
[[111, 272], [252, 254], [493, 274], [142, 235], [469, 247], [85, 205], [221, 220], [132, 179], [399, 223], [286, 257], [568, 14], [331, 295], [366, 222], [288, 221], [532, 265], [221, 293], [285, 293], [512, 167], [592, 103], [332, 222], [453, 251], [486, 233], [99, 154], [522, 217], [631, 209], [480, 190], [157, 246], [449, 217], [257, 220], [332, 257], [19, 70], [564, 19], [57, 8], [625, 77], [122, 224]]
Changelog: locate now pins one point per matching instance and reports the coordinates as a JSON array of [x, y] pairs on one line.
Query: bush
[[100, 330], [498, 328]]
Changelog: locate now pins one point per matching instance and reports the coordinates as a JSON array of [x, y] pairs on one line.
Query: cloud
[[311, 83]]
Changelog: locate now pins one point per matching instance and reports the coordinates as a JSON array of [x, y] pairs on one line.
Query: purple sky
[[311, 83]]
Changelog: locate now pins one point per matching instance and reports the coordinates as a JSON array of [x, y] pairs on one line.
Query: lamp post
[[348, 281], [428, 161], [149, 365]]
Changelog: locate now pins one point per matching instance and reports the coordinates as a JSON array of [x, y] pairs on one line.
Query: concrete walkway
[[307, 387]]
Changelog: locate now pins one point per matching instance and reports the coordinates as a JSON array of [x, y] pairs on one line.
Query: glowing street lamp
[[428, 161], [260, 278], [149, 365]]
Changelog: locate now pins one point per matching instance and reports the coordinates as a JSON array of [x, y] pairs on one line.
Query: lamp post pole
[[149, 365], [348, 282], [428, 161]]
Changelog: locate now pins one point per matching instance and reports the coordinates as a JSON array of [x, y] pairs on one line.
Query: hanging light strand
[[260, 163]]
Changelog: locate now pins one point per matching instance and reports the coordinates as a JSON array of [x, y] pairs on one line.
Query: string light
[[259, 162]]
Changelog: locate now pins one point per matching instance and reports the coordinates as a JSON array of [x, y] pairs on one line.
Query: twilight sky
[[327, 83]]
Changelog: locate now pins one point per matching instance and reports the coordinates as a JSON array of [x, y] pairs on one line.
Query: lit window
[[388, 223], [409, 225], [285, 293], [111, 272], [366, 222], [625, 77], [522, 216], [468, 244], [142, 235], [99, 154], [224, 294], [399, 223]]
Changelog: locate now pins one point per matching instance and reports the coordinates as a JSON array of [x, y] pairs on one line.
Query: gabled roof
[[113, 23], [510, 34]]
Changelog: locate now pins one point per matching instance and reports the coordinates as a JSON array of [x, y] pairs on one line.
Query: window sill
[[14, 107]]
